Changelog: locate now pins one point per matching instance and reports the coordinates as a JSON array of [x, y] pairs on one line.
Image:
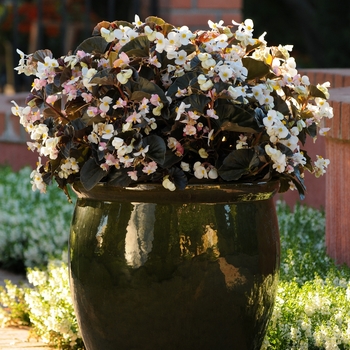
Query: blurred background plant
[[32, 229]]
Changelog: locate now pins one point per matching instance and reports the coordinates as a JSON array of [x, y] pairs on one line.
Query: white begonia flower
[[185, 35], [87, 75], [117, 142], [203, 56], [169, 185], [185, 166], [161, 42], [225, 72], [108, 35], [199, 171], [108, 131], [50, 148], [39, 132], [181, 110], [215, 26], [181, 57], [209, 63], [105, 102], [124, 75], [203, 153], [204, 83], [151, 34], [37, 181], [173, 41], [137, 22], [213, 173]]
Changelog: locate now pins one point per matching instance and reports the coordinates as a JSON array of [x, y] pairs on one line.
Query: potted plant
[[175, 142]]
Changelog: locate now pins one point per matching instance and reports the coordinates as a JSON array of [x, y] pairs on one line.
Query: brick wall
[[196, 13]]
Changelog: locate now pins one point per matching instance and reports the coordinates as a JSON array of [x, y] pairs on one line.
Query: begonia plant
[[148, 102]]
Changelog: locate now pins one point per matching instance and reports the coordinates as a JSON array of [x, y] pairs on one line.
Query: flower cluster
[[149, 102]]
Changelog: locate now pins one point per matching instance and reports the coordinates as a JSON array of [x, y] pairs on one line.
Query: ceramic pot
[[152, 269]]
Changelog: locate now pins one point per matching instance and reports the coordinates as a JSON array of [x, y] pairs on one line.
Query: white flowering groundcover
[[312, 309], [33, 227]]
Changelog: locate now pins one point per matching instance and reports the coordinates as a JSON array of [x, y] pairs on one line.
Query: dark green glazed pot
[[152, 269]]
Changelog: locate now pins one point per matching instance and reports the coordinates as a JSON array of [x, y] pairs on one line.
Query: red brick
[[334, 132], [329, 77], [320, 78], [194, 22], [345, 121], [338, 81], [346, 80], [227, 17], [220, 4], [338, 204]]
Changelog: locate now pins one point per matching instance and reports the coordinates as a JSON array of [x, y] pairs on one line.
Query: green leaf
[[91, 174], [104, 77], [41, 54], [138, 47], [237, 119], [156, 20], [238, 163], [183, 82], [119, 177], [198, 102], [315, 92], [95, 44], [157, 148], [146, 86], [256, 69]]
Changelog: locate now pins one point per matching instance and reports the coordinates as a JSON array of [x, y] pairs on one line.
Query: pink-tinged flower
[[181, 93], [120, 103], [155, 100], [132, 175], [134, 118], [122, 61], [51, 99], [153, 60], [150, 168], [38, 84], [111, 160], [323, 131], [144, 108], [87, 97], [190, 130], [211, 114], [193, 115], [92, 111], [102, 146], [104, 166]]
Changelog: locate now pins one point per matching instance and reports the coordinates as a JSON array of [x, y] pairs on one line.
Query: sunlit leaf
[[95, 44], [256, 69]]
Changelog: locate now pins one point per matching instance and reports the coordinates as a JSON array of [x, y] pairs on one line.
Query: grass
[[312, 309]]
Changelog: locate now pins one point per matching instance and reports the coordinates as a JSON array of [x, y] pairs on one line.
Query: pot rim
[[193, 193]]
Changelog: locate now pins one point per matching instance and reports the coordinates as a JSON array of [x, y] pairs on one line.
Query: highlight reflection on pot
[[139, 234]]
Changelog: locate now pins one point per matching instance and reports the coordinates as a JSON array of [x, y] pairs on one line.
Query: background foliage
[[317, 28]]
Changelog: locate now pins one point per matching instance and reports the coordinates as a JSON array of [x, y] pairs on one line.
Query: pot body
[[194, 269]]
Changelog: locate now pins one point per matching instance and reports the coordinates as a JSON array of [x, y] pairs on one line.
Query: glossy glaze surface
[[175, 276]]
